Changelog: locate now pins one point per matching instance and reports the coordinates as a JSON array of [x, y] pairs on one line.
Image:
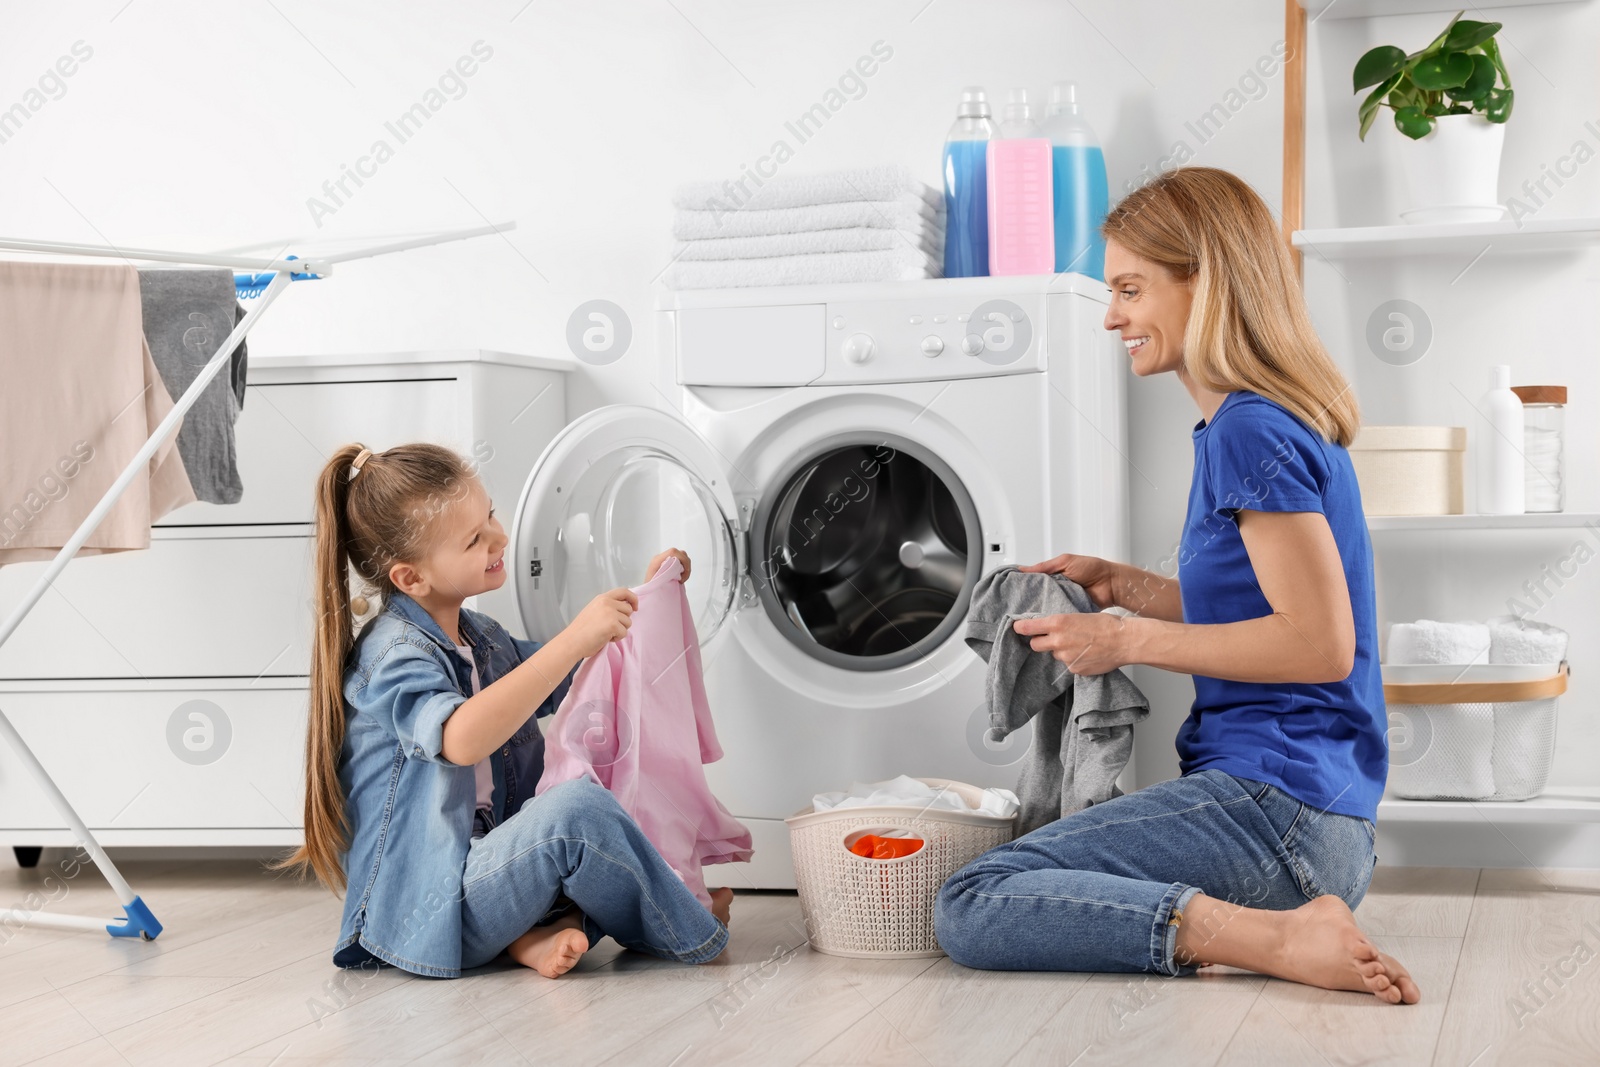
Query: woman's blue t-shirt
[[1322, 743]]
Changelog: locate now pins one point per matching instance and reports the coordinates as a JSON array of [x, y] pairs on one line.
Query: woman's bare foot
[[552, 950], [1321, 945], [722, 904], [1317, 944]]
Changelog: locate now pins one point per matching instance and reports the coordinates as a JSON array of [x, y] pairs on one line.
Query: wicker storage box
[[870, 908]]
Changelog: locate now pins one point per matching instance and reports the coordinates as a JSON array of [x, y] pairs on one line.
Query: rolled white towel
[[884, 182], [1427, 641], [908, 213], [1514, 640], [808, 242], [889, 264]]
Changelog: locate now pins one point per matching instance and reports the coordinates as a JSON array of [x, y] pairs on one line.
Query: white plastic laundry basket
[[1472, 739], [867, 908]]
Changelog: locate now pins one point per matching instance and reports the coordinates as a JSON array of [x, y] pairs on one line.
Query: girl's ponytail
[[325, 826]]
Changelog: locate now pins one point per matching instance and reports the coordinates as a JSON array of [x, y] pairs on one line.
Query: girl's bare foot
[[722, 904], [552, 950], [1321, 945]]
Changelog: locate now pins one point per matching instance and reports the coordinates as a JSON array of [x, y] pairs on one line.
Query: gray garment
[[187, 316], [1064, 770], [240, 359]]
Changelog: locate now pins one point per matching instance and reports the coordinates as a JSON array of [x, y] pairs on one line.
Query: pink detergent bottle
[[1022, 236]]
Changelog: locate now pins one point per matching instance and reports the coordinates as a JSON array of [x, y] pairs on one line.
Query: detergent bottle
[[1021, 227], [966, 196], [1078, 170]]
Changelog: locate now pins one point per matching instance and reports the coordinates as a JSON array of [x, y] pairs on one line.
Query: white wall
[[211, 125]]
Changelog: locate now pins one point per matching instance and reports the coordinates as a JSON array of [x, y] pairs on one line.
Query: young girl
[[423, 750]]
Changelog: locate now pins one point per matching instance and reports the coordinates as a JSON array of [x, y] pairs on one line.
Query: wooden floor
[[241, 975]]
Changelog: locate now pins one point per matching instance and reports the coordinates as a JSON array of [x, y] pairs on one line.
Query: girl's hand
[[1086, 644], [603, 620], [1097, 576], [661, 557]]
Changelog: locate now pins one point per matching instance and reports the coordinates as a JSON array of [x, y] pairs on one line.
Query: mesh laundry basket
[[1472, 739], [867, 908]]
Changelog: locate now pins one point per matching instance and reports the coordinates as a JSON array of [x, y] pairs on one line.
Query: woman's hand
[[1097, 576], [1087, 644], [661, 557], [603, 620]]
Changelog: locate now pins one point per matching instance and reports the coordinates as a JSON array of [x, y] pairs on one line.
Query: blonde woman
[[1256, 855]]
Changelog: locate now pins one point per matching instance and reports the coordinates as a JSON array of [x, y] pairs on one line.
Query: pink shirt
[[637, 722]]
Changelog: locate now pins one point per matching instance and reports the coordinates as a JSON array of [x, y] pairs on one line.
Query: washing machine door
[[613, 488]]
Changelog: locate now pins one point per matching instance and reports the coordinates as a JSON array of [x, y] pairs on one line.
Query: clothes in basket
[[906, 791]]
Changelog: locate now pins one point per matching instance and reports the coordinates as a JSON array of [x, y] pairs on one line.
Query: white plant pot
[[1453, 174]]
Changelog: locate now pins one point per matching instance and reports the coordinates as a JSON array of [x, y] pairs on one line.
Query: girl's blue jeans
[[576, 841], [1096, 891]]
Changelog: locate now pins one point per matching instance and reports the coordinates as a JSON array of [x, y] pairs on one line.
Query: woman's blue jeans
[[1095, 891], [577, 841]]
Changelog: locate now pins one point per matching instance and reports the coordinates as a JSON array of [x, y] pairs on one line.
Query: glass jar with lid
[[1544, 445]]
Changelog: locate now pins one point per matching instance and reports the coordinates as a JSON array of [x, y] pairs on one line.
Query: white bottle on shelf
[[1501, 485]]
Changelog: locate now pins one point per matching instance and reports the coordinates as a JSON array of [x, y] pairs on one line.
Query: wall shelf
[[1559, 520], [1468, 238], [1558, 804], [1355, 9]]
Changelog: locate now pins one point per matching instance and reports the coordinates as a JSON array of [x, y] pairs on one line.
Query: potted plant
[[1452, 98]]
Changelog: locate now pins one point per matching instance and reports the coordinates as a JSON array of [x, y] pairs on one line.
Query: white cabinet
[[178, 754], [166, 689], [213, 602]]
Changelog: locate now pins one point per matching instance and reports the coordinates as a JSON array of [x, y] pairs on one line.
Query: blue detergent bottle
[[1081, 196], [966, 187]]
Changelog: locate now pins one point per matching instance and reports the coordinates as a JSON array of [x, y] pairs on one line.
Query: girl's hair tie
[[355, 464]]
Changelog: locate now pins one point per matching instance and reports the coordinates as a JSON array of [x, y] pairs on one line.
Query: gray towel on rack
[[1082, 724], [187, 316]]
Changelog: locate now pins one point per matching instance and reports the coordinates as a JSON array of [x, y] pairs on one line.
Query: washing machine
[[842, 464]]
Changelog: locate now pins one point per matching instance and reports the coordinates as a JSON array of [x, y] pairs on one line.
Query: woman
[[1255, 857]]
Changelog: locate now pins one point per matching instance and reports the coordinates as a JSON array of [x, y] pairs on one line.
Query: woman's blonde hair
[[380, 517], [1248, 326]]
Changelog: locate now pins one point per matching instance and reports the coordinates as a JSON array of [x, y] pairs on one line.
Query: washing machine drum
[[863, 552]]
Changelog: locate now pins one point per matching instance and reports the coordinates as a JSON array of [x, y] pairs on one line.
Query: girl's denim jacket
[[410, 810]]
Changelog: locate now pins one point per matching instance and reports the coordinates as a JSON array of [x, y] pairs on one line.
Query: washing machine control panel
[[882, 341]]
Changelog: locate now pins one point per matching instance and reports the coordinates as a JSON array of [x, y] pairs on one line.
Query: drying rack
[[262, 281]]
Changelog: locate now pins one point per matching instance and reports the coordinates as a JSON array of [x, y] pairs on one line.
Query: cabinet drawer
[[203, 603], [227, 754], [286, 433]]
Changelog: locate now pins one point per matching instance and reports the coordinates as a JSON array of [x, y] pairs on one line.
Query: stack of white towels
[[863, 225], [1471, 751]]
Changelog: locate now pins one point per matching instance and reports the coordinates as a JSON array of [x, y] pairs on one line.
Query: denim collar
[[408, 609]]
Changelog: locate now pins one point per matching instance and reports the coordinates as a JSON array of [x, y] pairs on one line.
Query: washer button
[[858, 348], [972, 344], [838, 322], [932, 345]]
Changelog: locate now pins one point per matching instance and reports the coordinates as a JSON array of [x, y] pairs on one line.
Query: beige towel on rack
[[79, 395]]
